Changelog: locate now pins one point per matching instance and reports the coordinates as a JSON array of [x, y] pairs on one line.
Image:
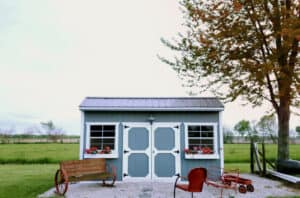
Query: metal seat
[[196, 179]]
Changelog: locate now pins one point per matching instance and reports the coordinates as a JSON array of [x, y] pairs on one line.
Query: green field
[[28, 169], [240, 153], [37, 153]]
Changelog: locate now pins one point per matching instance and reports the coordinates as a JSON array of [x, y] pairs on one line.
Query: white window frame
[[114, 153], [215, 155]]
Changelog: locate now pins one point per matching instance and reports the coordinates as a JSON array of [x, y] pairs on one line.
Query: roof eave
[[151, 109]]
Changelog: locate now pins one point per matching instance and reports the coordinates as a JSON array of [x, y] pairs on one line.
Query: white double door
[[151, 151]]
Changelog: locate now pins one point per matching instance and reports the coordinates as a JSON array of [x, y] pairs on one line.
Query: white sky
[[54, 53]]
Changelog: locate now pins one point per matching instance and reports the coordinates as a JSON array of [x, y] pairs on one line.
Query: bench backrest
[[81, 167]]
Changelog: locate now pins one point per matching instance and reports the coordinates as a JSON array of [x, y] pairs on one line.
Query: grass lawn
[[28, 169], [240, 153], [26, 181], [37, 153], [54, 153], [243, 167]]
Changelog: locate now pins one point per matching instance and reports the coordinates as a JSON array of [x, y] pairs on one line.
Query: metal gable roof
[[151, 104]]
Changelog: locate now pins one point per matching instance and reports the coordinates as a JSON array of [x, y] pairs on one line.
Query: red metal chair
[[196, 179]]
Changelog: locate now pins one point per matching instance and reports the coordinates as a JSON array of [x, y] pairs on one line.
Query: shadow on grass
[[44, 160]]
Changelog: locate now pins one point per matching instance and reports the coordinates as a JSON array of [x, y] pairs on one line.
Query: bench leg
[[110, 184]]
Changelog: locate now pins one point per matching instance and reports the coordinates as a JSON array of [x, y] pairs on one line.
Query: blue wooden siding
[[179, 117]]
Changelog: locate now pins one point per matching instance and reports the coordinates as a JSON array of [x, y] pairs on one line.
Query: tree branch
[[272, 95]]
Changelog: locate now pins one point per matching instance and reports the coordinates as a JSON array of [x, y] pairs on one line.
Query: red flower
[[206, 150]]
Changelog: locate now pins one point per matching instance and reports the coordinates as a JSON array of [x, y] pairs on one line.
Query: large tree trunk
[[283, 132]]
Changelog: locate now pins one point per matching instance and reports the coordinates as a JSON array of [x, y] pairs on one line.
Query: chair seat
[[184, 187]]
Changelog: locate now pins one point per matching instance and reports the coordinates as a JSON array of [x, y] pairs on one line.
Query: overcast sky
[[54, 53]]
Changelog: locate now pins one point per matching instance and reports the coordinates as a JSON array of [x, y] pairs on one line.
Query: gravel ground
[[263, 188]]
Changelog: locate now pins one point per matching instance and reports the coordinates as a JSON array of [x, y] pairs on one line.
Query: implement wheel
[[61, 182], [242, 189], [250, 188]]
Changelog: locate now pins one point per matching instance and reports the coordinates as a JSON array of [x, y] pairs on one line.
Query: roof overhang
[[148, 109]]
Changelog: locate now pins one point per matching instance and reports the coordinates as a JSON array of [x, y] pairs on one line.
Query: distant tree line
[[264, 129], [45, 130]]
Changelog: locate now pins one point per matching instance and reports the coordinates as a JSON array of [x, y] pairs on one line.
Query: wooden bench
[[83, 170]]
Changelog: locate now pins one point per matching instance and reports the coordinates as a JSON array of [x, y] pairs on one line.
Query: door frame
[[150, 151]]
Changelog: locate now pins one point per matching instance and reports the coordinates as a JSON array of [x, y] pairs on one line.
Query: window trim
[[114, 153], [215, 155]]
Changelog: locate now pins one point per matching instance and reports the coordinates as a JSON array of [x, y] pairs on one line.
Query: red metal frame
[[230, 180], [245, 184], [196, 179]]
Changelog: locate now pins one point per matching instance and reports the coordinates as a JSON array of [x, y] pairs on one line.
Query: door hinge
[[176, 127], [125, 151], [125, 175], [126, 127]]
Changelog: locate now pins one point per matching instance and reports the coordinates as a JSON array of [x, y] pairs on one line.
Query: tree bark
[[283, 129]]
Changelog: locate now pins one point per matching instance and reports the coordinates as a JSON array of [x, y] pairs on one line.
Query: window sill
[[111, 155], [201, 156]]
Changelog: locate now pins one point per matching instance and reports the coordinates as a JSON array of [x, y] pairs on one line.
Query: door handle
[[176, 151]]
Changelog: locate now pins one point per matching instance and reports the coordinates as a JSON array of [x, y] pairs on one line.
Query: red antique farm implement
[[244, 184], [230, 180]]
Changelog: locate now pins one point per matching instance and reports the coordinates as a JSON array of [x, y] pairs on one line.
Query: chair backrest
[[197, 177]]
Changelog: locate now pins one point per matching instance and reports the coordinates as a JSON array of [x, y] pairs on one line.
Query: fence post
[[251, 156], [264, 158]]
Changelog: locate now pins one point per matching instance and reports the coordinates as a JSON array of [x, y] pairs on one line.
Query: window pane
[[109, 142], [207, 134], [96, 143], [108, 134], [96, 128], [96, 134], [194, 141], [109, 127], [207, 128], [111, 146], [194, 134], [208, 142], [193, 128]]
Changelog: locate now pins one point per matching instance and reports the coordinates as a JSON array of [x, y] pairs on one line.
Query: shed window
[[201, 138], [102, 139], [102, 136]]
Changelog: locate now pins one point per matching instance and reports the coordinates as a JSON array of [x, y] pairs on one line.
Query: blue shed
[[153, 138]]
